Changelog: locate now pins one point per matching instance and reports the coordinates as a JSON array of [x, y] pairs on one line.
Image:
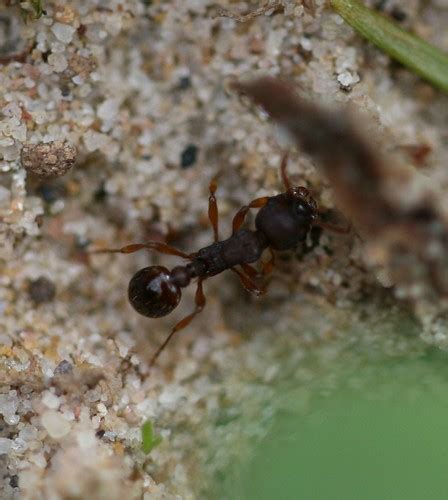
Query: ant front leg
[[334, 221], [283, 174], [240, 216], [200, 304], [247, 281], [150, 245], [213, 214]]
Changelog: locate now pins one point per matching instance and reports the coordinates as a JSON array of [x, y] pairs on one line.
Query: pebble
[[8, 406], [86, 438], [63, 368], [41, 290], [50, 400], [5, 446], [48, 160], [347, 80], [189, 156], [63, 32], [55, 424], [108, 111], [58, 61]]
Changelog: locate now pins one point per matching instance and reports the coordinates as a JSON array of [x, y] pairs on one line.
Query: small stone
[[39, 460], [80, 65], [102, 410], [108, 111], [41, 290], [55, 424], [63, 32], [58, 62], [184, 82], [14, 481], [64, 14], [5, 446], [94, 140], [86, 439], [28, 433], [8, 406], [48, 160], [63, 368], [347, 80], [5, 196], [189, 156], [19, 446], [50, 400]]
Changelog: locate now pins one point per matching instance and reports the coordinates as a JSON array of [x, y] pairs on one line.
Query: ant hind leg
[[200, 304], [150, 245], [213, 213]]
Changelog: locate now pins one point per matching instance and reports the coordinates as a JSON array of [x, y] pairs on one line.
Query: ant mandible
[[282, 222]]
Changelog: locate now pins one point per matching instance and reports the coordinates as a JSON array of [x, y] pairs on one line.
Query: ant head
[[286, 219], [303, 204], [152, 292]]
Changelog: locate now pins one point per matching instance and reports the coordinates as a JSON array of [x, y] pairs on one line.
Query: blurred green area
[[419, 56], [381, 434]]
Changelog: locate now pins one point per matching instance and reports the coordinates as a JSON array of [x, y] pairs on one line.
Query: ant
[[282, 222]]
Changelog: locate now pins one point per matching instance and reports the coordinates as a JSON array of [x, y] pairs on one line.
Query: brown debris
[[82, 377], [16, 56], [48, 160], [270, 7]]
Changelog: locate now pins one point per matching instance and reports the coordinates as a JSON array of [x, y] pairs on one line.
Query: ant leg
[[151, 245], [341, 226], [200, 304], [248, 284], [213, 214], [335, 229], [284, 175], [240, 216], [250, 271], [268, 266]]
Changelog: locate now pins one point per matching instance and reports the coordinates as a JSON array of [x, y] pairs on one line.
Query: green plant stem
[[419, 56]]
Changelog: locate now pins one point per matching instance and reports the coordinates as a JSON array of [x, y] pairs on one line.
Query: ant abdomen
[[153, 293]]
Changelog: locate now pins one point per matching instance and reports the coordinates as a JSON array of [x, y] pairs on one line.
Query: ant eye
[[303, 209]]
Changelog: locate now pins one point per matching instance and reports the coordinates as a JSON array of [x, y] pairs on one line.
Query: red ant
[[282, 222]]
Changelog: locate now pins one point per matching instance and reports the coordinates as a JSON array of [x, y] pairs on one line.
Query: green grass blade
[[149, 439], [419, 56]]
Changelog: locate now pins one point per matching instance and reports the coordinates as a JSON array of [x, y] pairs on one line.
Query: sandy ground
[[127, 102]]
